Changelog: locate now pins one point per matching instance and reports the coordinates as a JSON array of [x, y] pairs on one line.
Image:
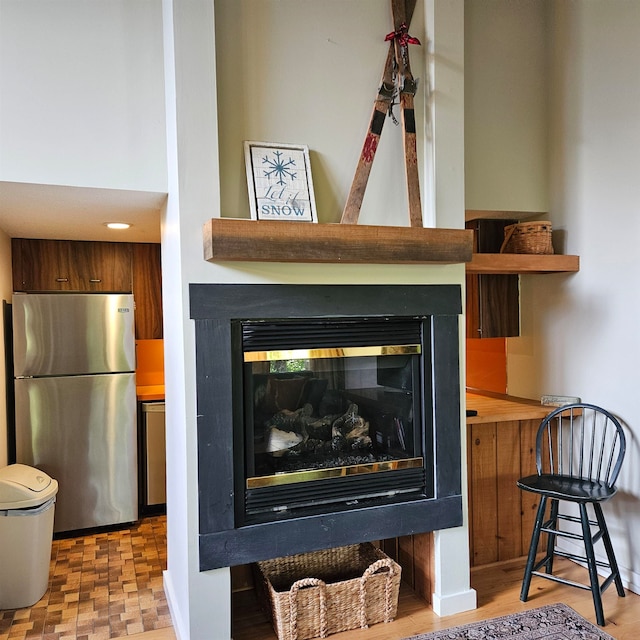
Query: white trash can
[[27, 501]]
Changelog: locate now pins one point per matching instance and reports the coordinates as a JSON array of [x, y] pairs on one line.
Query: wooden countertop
[[493, 407], [145, 393]]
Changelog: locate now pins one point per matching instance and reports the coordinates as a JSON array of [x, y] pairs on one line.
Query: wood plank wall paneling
[[406, 559], [415, 555], [508, 499], [501, 516], [423, 570], [483, 491], [528, 501]]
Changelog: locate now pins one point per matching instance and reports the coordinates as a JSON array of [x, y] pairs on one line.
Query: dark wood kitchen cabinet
[[147, 290], [41, 265], [86, 266], [493, 300], [66, 265]]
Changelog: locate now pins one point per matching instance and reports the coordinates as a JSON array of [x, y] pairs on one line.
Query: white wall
[[557, 82], [581, 334], [81, 104], [199, 602], [5, 294], [290, 106], [282, 81], [506, 89], [82, 89]]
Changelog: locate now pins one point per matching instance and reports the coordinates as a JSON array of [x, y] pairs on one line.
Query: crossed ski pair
[[396, 80]]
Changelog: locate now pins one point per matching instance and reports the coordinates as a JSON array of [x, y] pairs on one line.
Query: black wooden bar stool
[[579, 452]]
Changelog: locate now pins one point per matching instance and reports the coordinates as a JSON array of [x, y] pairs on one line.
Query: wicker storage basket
[[312, 595], [528, 237]]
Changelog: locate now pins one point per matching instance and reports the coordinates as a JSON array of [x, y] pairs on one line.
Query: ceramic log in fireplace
[[327, 415]]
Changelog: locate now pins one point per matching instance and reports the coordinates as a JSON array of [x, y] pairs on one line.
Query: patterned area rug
[[551, 622]]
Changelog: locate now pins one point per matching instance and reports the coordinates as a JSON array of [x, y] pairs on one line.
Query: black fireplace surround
[[229, 533]]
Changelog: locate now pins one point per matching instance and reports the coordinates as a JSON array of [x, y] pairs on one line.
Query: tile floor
[[101, 586]]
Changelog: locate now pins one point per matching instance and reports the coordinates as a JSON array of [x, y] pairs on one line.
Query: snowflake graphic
[[279, 167]]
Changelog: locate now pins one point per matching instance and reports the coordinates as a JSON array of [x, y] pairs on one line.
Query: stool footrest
[[571, 583]]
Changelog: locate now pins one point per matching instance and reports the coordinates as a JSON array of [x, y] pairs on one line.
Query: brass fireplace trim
[[333, 472], [336, 352]]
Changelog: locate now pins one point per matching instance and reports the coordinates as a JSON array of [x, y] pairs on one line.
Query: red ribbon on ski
[[403, 36]]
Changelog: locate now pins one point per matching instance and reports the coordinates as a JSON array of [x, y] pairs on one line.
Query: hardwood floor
[[498, 589], [160, 634], [111, 586]]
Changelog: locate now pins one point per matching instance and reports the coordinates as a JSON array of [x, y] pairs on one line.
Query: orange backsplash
[[487, 364], [149, 362]]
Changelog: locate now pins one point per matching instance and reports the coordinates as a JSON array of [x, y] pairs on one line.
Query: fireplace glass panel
[[323, 413], [332, 425]]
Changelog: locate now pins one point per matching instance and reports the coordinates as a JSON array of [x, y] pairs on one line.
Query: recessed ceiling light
[[118, 225]]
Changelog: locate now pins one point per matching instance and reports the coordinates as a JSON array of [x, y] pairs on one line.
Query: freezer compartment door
[[81, 430], [62, 334]]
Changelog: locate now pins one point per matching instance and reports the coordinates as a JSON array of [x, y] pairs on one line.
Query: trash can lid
[[22, 486]]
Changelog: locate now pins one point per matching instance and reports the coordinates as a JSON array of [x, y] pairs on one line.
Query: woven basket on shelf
[[312, 595], [528, 237]]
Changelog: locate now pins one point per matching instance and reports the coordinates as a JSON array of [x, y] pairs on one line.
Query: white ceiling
[[78, 213]]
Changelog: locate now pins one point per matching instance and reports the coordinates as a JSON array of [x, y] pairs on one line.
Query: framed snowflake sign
[[279, 182]]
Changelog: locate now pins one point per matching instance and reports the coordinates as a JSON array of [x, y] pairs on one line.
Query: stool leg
[[591, 563], [551, 537], [613, 564], [533, 547]]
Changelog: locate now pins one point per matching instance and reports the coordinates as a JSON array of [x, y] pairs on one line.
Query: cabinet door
[[102, 266], [493, 306], [493, 300], [43, 265], [147, 291], [69, 265]]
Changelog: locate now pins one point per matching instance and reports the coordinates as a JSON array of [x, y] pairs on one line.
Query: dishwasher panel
[[153, 465]]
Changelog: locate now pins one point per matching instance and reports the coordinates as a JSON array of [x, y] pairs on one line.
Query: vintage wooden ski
[[381, 109], [408, 87]]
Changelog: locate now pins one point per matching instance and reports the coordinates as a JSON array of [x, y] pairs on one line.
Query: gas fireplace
[[332, 416], [328, 415]]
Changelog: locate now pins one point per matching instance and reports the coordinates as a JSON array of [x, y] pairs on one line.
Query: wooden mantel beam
[[233, 239]]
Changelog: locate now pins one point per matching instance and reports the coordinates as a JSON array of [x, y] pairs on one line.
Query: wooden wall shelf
[[521, 216], [233, 239], [243, 240], [521, 264]]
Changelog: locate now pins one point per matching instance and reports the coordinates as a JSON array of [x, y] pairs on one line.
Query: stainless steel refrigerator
[[75, 402]]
